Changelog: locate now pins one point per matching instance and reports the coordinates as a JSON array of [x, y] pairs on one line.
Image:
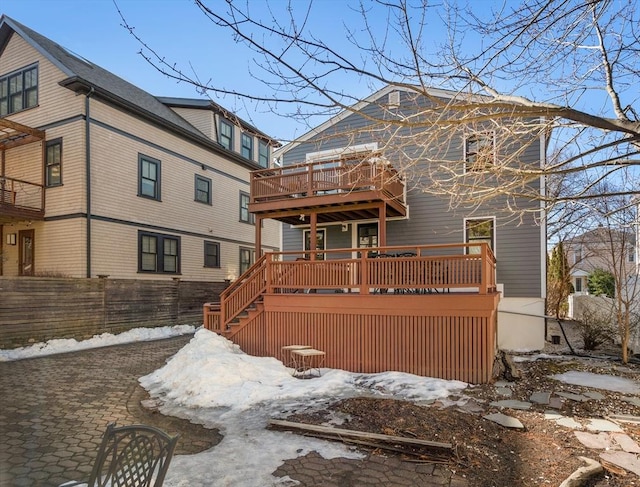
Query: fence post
[[364, 271], [484, 275]]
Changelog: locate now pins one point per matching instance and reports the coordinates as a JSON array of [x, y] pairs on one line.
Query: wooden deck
[[426, 310], [337, 190], [20, 200]]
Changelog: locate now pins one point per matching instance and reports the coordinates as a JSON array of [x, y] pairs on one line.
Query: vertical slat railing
[[243, 292]]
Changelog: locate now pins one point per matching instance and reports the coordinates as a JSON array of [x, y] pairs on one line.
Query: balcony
[[20, 200], [336, 190]]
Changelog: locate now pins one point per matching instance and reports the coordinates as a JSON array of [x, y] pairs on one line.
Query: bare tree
[[611, 246], [565, 71]]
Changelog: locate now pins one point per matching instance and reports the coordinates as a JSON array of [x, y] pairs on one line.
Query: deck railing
[[419, 269], [423, 269], [325, 177], [21, 194]]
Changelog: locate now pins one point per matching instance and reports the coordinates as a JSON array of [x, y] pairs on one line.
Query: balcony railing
[[401, 270], [20, 199], [325, 178]]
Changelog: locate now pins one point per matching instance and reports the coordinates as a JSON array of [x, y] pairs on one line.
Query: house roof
[[85, 76], [198, 103], [600, 235], [436, 92]]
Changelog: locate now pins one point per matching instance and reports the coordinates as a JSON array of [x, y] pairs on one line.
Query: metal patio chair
[[135, 455]]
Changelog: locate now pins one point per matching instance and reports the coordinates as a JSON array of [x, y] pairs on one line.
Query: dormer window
[[19, 90], [226, 134], [246, 148], [263, 153]]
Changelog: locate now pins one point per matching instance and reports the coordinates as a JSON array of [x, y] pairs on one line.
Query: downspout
[[87, 136]]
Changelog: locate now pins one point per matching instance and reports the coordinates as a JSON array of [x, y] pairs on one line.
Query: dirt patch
[[490, 455]]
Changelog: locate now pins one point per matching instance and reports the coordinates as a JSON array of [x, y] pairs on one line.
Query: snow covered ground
[[210, 381]]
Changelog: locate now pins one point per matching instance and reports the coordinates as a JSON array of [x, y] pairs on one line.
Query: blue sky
[[177, 30]]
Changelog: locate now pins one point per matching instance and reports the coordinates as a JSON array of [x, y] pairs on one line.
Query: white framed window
[[479, 230], [479, 151], [577, 255]]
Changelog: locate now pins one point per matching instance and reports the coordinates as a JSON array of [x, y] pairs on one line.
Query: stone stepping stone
[[594, 395], [625, 442], [600, 441], [504, 420], [626, 460], [556, 402], [540, 397], [633, 400], [573, 397], [504, 391], [552, 415], [512, 404], [471, 406], [596, 424], [568, 423]]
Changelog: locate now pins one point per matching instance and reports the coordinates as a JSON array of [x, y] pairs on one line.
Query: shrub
[[596, 327]]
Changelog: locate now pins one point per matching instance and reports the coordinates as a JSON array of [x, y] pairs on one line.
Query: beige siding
[[70, 198], [24, 163], [200, 119], [59, 248], [118, 213], [177, 209], [54, 102]]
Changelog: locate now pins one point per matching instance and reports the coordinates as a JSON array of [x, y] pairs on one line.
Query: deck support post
[[258, 244], [313, 237], [382, 225]]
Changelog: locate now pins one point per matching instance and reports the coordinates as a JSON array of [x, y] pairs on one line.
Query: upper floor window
[[577, 255], [53, 163], [632, 255], [263, 153], [479, 231], [19, 90], [245, 216], [246, 148], [226, 134], [203, 189], [479, 151], [158, 253], [211, 254], [148, 177]]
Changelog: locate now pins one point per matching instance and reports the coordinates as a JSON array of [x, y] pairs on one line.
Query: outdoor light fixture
[[11, 239]]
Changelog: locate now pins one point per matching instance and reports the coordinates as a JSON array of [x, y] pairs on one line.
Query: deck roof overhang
[[13, 134], [339, 207]]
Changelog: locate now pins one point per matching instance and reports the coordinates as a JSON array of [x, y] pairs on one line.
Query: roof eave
[[82, 86]]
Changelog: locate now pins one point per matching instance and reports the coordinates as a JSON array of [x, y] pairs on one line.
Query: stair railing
[[243, 292]]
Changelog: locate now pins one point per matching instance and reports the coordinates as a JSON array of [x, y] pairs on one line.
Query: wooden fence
[[34, 309]]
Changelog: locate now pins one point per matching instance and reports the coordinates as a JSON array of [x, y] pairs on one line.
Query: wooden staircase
[[240, 304]]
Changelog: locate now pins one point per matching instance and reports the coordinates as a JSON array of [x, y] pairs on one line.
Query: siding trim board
[[167, 151], [185, 233]]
